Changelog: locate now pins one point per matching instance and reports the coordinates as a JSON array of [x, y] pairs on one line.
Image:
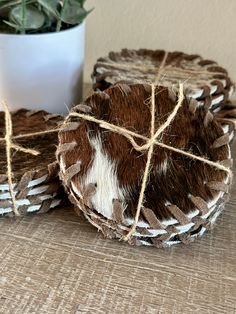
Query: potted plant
[[41, 53]]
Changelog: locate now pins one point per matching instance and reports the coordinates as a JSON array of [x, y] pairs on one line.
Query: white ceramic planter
[[42, 71]]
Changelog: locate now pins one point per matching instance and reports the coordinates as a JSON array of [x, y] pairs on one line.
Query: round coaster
[[205, 79], [103, 169], [33, 184]]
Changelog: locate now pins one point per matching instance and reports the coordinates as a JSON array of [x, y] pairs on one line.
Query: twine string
[[161, 68], [130, 136], [8, 134], [10, 145], [19, 136], [151, 144], [172, 69]]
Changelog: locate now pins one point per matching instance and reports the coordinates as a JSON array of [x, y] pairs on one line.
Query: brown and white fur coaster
[[29, 172], [105, 152], [205, 80]]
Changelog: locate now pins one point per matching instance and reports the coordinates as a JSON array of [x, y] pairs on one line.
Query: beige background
[[206, 27]]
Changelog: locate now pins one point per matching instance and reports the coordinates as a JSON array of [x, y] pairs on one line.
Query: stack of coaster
[[145, 164], [206, 81], [29, 172]]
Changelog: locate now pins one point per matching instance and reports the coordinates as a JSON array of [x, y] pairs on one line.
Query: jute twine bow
[[149, 145], [11, 145]]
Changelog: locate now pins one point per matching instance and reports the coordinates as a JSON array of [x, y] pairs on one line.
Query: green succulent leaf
[[73, 12], [33, 19], [12, 25], [4, 4], [50, 7], [40, 16]]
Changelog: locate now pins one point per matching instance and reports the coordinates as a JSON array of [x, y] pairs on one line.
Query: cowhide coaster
[[103, 169], [35, 186], [205, 79]]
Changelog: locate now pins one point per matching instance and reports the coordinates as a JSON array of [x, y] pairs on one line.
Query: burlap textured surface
[[205, 79], [35, 183], [189, 175]]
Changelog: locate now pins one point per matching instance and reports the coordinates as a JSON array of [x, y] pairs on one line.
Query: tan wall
[[206, 27]]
